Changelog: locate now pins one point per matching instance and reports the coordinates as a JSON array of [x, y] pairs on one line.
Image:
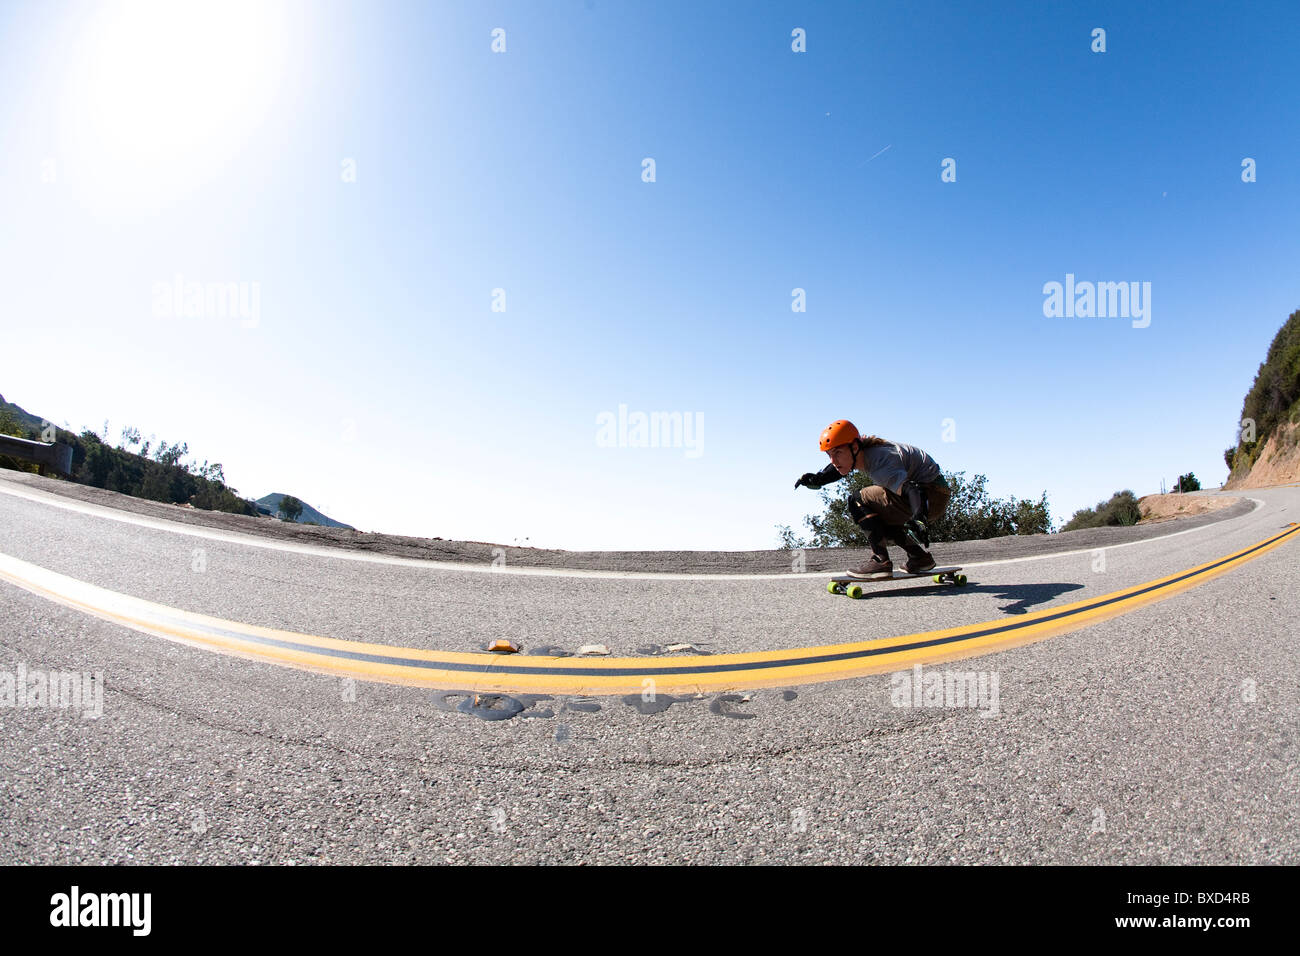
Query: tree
[[1033, 517], [172, 455], [290, 508], [1188, 482]]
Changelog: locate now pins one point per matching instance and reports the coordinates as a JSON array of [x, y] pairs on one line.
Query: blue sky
[[374, 379]]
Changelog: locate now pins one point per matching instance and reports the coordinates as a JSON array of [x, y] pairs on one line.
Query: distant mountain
[[270, 505]]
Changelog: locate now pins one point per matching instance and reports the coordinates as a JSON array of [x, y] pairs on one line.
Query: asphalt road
[[1165, 735]]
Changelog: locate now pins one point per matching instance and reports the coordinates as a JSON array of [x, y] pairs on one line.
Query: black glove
[[815, 480], [919, 531]]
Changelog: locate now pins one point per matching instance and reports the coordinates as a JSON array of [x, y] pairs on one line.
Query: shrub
[[1121, 509]]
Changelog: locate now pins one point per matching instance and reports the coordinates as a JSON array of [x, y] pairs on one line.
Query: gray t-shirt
[[890, 466]]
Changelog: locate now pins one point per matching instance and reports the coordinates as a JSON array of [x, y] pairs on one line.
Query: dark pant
[[895, 511]]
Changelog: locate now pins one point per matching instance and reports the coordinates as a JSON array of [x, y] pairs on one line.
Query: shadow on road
[[1022, 596]]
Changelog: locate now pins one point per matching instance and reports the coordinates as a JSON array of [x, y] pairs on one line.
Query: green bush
[[972, 515], [9, 425], [1121, 509]]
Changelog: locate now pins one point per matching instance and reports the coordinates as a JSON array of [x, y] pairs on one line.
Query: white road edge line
[[249, 540]]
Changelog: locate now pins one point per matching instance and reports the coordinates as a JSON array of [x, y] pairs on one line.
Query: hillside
[[1267, 451], [1278, 462], [29, 423], [1156, 508], [154, 473]]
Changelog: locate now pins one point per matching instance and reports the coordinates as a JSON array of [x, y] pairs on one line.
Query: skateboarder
[[909, 490]]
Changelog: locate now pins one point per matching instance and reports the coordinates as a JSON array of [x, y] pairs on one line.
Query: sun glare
[[165, 92]]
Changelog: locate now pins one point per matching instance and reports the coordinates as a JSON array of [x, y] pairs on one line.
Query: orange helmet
[[838, 433]]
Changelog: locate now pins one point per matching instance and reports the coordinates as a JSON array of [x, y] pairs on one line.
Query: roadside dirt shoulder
[[1167, 507], [701, 562]]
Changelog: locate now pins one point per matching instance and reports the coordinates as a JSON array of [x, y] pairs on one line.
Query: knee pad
[[858, 510], [873, 525]]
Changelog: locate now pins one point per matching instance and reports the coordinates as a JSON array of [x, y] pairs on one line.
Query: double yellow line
[[451, 670]]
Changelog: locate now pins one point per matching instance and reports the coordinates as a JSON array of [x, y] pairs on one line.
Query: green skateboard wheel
[[855, 591], [833, 588], [961, 579]]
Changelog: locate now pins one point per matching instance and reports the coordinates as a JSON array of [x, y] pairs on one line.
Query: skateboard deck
[[853, 586]]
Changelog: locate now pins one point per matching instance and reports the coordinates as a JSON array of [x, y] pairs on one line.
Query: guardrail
[[54, 455]]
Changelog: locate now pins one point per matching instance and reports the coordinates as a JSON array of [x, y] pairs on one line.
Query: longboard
[[852, 586]]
